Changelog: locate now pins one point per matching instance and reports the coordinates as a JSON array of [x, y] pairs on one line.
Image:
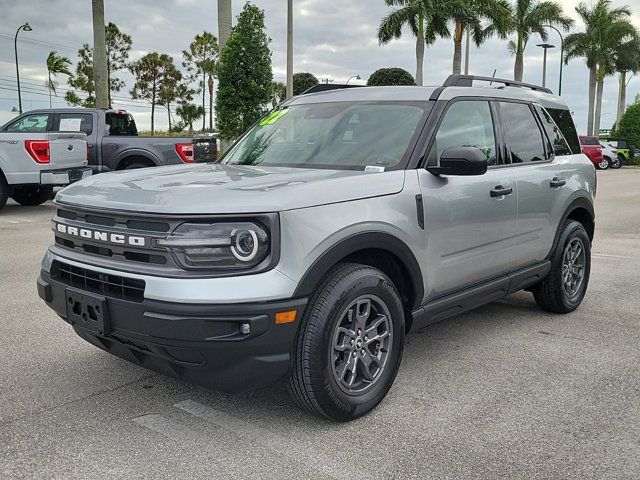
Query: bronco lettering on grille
[[101, 236]]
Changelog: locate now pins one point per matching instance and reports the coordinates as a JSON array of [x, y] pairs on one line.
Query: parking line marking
[[283, 446], [166, 427], [619, 257]]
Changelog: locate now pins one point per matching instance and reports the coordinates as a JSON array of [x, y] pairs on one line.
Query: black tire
[[134, 165], [551, 294], [312, 381], [618, 162], [32, 195], [4, 191], [604, 163]]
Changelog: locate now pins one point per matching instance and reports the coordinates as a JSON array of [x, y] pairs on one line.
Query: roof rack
[[325, 87], [467, 81]]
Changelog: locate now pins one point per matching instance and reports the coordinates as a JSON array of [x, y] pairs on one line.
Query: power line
[[37, 42]]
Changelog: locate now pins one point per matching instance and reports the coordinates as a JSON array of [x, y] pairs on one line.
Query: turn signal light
[[39, 150], [286, 317]]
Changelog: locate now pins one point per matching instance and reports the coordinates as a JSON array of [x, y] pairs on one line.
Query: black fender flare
[[358, 242], [579, 202]]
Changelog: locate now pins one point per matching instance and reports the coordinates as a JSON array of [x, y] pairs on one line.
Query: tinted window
[[36, 123], [560, 146], [121, 124], [593, 141], [523, 134], [567, 127], [74, 122], [349, 135], [467, 124]]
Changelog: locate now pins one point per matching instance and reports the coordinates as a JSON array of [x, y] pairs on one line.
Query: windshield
[[341, 135]]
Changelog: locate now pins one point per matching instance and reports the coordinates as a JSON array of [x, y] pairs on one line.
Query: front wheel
[[617, 162], [32, 195], [349, 346], [604, 163], [565, 286], [4, 191]]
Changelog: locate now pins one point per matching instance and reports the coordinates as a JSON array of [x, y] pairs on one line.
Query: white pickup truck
[[32, 163]]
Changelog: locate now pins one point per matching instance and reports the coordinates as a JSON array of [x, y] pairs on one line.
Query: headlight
[[218, 246]]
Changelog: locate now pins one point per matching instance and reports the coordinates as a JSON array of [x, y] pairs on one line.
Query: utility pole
[[224, 22], [289, 48], [545, 46], [466, 52], [100, 79]]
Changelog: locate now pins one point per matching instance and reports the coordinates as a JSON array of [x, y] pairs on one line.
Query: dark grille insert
[[105, 284]]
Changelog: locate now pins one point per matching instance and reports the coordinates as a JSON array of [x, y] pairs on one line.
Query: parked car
[[336, 225], [610, 154], [591, 147], [626, 152], [112, 137], [31, 164]]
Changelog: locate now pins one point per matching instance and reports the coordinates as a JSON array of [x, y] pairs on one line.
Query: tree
[[244, 75], [496, 12], [531, 16], [174, 89], [427, 20], [629, 125], [100, 76], [605, 31], [189, 113], [83, 80], [118, 46], [56, 64], [627, 59], [303, 81], [390, 76], [153, 72], [278, 93], [201, 61]]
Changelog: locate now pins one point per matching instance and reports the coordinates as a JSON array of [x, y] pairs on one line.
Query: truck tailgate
[[67, 150]]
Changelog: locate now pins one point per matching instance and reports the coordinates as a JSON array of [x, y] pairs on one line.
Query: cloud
[[333, 40]]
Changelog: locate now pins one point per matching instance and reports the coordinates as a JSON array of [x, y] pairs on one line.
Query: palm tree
[[531, 16], [56, 64], [606, 30], [627, 59], [427, 20], [496, 12]]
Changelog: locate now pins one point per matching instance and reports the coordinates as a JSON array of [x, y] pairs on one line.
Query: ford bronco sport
[[337, 224]]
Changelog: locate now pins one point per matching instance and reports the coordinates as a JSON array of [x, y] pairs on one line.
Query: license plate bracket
[[88, 311]]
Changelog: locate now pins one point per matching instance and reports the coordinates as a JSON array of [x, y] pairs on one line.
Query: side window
[[36, 123], [567, 127], [466, 124], [524, 137], [560, 146], [74, 122]]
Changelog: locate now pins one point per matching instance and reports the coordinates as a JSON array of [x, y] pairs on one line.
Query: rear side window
[[567, 127], [74, 122], [36, 123], [121, 124], [560, 146], [525, 140], [467, 124]]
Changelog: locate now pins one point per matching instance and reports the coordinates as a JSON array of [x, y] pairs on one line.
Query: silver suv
[[340, 222]]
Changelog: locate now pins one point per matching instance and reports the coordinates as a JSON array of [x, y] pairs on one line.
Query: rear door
[[469, 226], [541, 177]]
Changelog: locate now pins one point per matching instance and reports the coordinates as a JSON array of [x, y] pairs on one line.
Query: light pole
[[561, 57], [26, 28], [357, 77], [545, 46]]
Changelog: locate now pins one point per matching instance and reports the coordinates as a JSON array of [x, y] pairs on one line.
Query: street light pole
[[561, 57], [357, 77], [289, 89], [545, 46], [26, 28], [466, 50]]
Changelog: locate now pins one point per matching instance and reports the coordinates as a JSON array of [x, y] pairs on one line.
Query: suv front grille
[[105, 284]]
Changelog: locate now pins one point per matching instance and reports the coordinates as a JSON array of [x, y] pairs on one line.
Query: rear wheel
[[134, 165], [4, 190], [565, 286], [349, 346], [32, 195], [604, 163]]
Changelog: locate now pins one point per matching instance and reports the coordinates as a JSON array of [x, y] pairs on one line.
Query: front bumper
[[197, 343]]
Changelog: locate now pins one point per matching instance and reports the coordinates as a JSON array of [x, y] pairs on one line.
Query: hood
[[214, 188]]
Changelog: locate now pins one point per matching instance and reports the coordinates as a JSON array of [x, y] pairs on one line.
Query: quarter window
[[523, 134], [36, 123], [567, 127], [560, 146], [467, 124]]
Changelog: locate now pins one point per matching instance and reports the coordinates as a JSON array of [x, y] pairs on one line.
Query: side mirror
[[461, 161]]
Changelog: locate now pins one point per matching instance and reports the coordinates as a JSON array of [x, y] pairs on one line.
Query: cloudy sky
[[333, 40]]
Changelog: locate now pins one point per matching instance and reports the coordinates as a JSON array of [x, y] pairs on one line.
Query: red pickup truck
[[591, 147]]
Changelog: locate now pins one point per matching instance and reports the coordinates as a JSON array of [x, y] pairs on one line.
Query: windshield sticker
[[373, 168], [273, 117]]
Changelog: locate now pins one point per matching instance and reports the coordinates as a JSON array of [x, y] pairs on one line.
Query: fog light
[[245, 328]]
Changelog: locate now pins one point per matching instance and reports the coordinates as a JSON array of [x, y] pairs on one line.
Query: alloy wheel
[[573, 267]]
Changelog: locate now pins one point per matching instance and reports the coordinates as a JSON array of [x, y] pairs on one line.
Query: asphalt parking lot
[[506, 391]]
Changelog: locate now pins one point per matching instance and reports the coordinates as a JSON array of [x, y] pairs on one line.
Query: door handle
[[558, 182], [90, 145], [501, 191]]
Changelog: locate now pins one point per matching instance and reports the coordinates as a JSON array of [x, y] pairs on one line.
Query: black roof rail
[[467, 81], [325, 87]]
